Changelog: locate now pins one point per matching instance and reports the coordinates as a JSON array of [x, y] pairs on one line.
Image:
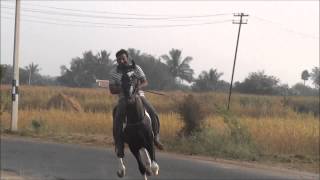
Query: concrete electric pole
[[15, 81], [235, 55]]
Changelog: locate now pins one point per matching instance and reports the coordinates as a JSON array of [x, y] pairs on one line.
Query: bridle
[[129, 82]]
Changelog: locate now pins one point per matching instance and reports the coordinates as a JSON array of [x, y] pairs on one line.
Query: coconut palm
[[208, 80], [179, 67], [305, 76], [32, 69]]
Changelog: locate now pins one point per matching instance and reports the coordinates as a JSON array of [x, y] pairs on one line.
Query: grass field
[[257, 128]]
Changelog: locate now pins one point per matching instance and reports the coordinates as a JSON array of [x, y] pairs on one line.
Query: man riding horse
[[120, 114]]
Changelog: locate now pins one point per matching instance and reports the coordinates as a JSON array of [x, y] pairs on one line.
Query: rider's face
[[122, 59]]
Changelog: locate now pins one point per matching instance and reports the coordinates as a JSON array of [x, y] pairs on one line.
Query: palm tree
[[208, 80], [32, 69], [214, 76], [305, 76], [178, 67]]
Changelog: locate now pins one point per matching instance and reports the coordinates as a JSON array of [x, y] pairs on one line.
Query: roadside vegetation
[[260, 128]]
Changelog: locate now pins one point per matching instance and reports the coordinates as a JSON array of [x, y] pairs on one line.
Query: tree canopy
[[167, 72], [258, 83], [315, 76], [179, 67], [86, 69], [209, 81]]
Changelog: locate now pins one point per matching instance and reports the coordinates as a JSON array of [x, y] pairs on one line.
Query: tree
[[32, 69], [7, 75], [208, 81], [85, 70], [179, 68], [315, 76], [1, 72], [303, 90], [258, 83], [305, 76], [157, 73]]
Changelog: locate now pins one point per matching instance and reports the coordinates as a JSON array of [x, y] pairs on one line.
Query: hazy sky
[[281, 38]]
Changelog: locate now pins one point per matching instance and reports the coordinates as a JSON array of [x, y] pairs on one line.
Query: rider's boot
[[157, 142]]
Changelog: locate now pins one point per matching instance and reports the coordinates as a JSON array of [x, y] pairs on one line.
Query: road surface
[[53, 161]]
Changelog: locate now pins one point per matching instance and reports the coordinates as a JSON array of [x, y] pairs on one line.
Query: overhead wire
[[110, 25], [41, 19], [72, 21], [128, 25], [285, 27], [144, 17], [133, 14], [110, 17]]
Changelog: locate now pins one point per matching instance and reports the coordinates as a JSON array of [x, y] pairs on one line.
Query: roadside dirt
[[10, 175]]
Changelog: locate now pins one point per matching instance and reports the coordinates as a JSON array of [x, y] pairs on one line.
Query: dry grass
[[58, 121], [298, 136]]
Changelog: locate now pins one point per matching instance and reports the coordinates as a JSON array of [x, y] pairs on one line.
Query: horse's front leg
[[150, 163], [155, 168], [122, 168], [154, 165]]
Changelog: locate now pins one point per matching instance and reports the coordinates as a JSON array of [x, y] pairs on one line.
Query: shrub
[[192, 114], [36, 125]]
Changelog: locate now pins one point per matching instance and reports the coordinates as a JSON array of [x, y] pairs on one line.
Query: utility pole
[[15, 81], [235, 55]]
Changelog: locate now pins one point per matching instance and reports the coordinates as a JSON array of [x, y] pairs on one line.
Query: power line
[[100, 25], [286, 28], [111, 17], [72, 21], [118, 13], [53, 23], [112, 24]]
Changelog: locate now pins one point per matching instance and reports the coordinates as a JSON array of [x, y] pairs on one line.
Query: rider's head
[[122, 57]]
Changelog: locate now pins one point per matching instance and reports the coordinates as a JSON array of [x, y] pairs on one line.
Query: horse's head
[[129, 82], [129, 86]]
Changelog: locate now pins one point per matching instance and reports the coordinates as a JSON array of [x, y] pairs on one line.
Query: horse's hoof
[[121, 173], [148, 173], [155, 168]]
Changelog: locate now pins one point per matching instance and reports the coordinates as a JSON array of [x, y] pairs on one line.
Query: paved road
[[46, 160]]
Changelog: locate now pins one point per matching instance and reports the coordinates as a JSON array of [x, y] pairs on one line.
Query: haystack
[[64, 102]]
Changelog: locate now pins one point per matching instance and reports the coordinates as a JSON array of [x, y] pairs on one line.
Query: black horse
[[137, 131]]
